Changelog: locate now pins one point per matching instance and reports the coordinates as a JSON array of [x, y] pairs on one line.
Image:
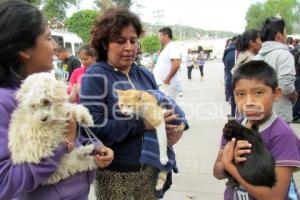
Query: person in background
[[68, 62], [276, 53], [227, 93], [26, 47], [178, 86], [248, 46], [88, 57], [155, 58], [115, 37], [296, 106], [200, 61], [229, 61], [166, 71], [139, 54], [189, 64], [297, 46], [290, 42]]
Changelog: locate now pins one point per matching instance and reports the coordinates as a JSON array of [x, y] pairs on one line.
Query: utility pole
[[158, 16], [180, 28], [138, 8]]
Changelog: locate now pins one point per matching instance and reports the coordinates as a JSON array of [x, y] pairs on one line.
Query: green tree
[[287, 9], [103, 4], [254, 16], [34, 2], [81, 23], [57, 8], [150, 44], [126, 3]]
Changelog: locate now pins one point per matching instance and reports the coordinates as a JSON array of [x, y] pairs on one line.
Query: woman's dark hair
[[20, 24], [88, 50], [108, 27], [270, 28], [246, 37], [256, 70], [289, 40]]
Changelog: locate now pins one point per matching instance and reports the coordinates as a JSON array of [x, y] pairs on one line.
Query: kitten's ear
[[119, 92], [139, 95]]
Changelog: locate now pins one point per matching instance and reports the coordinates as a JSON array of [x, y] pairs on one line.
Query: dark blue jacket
[[123, 135], [229, 61]]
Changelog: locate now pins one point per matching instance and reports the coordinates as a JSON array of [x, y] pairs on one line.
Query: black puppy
[[259, 168]]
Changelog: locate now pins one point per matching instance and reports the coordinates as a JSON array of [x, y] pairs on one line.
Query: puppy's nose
[[44, 118]]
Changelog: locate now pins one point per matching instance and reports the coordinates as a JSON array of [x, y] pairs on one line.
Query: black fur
[[259, 169]]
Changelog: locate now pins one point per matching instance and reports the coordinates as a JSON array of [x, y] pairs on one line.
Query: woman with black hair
[[248, 46]]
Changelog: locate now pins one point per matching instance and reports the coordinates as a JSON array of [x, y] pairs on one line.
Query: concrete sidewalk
[[206, 110]]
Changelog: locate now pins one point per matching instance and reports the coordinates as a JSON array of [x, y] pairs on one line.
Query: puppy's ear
[[230, 129], [58, 90], [19, 95], [26, 87]]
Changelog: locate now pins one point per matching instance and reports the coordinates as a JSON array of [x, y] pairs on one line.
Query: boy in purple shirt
[[26, 47], [255, 89]]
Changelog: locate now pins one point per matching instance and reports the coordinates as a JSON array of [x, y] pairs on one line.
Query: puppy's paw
[[85, 151], [83, 116]]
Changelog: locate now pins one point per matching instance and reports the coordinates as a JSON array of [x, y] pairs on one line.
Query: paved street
[[206, 109]]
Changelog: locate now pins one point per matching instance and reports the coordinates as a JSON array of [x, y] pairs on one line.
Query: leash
[[91, 136]]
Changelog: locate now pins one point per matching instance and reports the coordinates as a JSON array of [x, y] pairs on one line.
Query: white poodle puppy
[[39, 125]]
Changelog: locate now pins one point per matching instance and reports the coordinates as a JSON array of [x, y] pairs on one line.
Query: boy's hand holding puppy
[[233, 153], [242, 147]]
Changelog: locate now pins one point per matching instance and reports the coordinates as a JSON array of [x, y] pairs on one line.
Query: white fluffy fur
[[39, 125]]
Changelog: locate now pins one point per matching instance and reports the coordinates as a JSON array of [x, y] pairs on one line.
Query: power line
[[158, 16]]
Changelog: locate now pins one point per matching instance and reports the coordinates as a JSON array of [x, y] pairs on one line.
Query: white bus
[[71, 41]]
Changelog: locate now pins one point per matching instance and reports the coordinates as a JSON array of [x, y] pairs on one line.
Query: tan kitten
[[145, 105]]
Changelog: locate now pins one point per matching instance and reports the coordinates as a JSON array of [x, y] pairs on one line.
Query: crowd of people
[[261, 83]]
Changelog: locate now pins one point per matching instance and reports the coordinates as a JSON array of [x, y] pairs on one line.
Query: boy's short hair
[[256, 70]]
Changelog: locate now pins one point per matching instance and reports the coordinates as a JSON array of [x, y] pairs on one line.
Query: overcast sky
[[228, 15]]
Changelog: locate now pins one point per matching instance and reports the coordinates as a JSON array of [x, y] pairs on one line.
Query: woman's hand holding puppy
[[104, 156]]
